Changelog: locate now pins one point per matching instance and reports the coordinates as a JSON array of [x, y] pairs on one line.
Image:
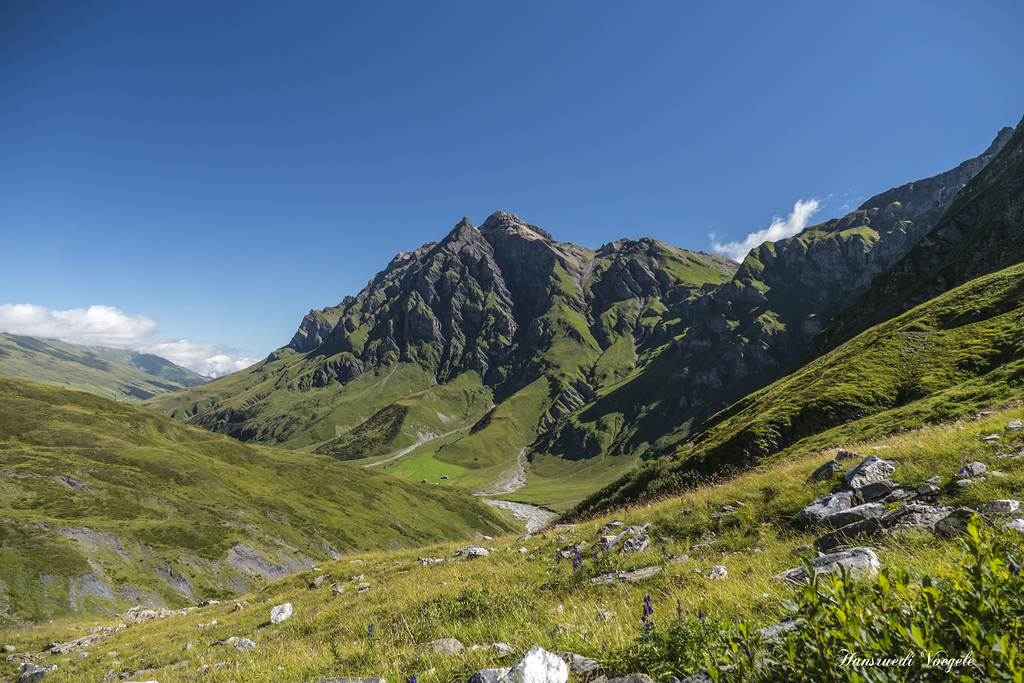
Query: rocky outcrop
[[978, 234]]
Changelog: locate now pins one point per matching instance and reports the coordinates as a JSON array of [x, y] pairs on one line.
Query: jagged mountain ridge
[[980, 234], [528, 328], [499, 342], [748, 332]]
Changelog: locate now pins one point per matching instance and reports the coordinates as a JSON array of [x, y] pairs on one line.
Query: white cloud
[[780, 229], [108, 326]]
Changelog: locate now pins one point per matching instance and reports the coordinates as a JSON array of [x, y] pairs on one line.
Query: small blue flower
[[411, 680], [700, 615], [370, 631]]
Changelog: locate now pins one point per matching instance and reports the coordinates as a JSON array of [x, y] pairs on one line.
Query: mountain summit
[[499, 355]]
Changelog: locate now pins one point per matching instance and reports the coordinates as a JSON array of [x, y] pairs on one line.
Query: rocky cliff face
[[482, 299], [979, 233], [559, 353], [748, 332]]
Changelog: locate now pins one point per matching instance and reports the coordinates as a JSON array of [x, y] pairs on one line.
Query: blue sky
[[193, 177]]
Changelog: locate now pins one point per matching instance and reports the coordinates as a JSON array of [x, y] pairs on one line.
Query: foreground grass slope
[[521, 595], [105, 503]]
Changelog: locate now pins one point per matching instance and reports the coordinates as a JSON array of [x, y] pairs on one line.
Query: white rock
[[718, 572], [1015, 426], [1001, 507], [280, 613], [538, 666], [1014, 525]]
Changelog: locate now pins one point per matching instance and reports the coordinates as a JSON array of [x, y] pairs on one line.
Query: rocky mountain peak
[[499, 221]]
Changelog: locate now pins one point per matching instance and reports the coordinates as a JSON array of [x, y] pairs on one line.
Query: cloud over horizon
[[780, 229], [108, 326]]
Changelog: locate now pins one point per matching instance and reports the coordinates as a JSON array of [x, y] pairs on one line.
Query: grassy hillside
[[520, 595], [120, 374], [944, 359], [109, 502]]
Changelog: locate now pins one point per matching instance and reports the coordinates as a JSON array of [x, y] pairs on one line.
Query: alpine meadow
[[577, 399]]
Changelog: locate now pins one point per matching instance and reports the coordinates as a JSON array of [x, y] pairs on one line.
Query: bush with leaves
[[964, 627]]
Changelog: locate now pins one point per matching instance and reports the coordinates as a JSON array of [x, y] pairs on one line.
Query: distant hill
[[121, 374], [107, 505]]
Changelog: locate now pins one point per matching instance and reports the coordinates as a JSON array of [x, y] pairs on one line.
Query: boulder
[[1000, 507], [855, 560], [636, 543], [1014, 525], [244, 644], [34, 672], [877, 489], [955, 522], [775, 633], [828, 470], [823, 507], [442, 646], [868, 471], [971, 470], [471, 551], [855, 514], [538, 666], [280, 613]]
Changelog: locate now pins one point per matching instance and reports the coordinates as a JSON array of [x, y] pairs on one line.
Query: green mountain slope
[[121, 374], [499, 356], [947, 357], [105, 503], [460, 353], [981, 233]]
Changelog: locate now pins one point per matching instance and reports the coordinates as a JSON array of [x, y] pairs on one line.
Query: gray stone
[[633, 678], [628, 577], [280, 613], [718, 572], [1014, 525], [774, 633], [877, 489], [578, 664], [928, 490], [971, 470], [488, 675], [1000, 507], [34, 672], [244, 644], [854, 514], [538, 666], [500, 649], [443, 646], [636, 543], [990, 438], [868, 471], [471, 551], [1015, 426], [855, 560], [828, 470], [955, 522], [349, 679], [824, 507], [431, 560]]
